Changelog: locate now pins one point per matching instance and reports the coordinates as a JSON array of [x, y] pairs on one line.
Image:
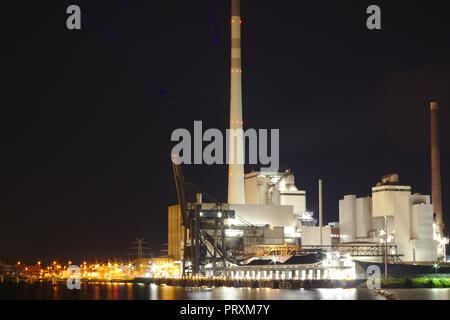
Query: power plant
[[266, 231]]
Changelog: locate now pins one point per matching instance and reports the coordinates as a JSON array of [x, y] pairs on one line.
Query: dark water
[[127, 291]]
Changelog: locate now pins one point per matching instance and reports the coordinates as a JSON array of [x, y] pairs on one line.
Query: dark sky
[[86, 116]]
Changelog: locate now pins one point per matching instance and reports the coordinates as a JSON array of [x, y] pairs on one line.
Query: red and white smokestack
[[436, 197], [236, 191]]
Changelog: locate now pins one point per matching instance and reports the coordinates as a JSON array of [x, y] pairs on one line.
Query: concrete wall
[[423, 247], [403, 225], [257, 187], [422, 221], [265, 214], [297, 199], [251, 189], [274, 235], [423, 250], [290, 195], [311, 236], [389, 199]]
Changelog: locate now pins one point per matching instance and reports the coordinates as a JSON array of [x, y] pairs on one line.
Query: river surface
[[129, 291]]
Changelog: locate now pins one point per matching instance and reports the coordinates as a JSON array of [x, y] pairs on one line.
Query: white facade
[[259, 215], [271, 198], [423, 250], [423, 246], [290, 195], [274, 188], [394, 201], [422, 217], [390, 199], [311, 236], [413, 220]]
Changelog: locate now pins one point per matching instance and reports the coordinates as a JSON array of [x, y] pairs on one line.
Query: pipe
[[320, 210]]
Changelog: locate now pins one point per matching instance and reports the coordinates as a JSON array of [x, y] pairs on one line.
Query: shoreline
[[392, 283]]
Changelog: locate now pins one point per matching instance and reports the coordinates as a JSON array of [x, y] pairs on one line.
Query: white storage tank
[[347, 218], [363, 217]]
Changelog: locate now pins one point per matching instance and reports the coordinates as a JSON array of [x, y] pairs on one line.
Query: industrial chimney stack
[[436, 198], [236, 191]]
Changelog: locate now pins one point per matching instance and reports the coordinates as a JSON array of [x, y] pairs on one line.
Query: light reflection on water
[[128, 291]]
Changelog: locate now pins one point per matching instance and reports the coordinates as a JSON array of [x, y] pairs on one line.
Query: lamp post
[[385, 248], [436, 267], [383, 232]]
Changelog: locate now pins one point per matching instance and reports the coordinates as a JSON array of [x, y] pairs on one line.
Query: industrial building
[[265, 230], [263, 208], [273, 199], [393, 214], [274, 214]]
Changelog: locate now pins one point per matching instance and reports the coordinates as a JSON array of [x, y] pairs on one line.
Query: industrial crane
[[196, 221]]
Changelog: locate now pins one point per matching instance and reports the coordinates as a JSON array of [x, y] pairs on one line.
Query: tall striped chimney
[[236, 191], [436, 197]]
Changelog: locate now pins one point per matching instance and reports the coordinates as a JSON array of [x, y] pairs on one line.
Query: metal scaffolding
[[355, 250]]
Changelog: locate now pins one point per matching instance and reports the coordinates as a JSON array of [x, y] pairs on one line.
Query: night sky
[[87, 115]]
